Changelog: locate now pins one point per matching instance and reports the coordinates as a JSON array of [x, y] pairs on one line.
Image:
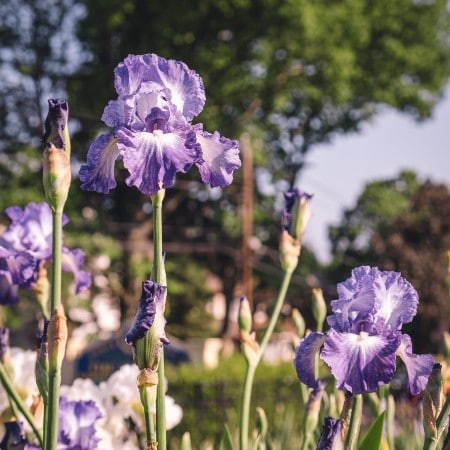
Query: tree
[[406, 228], [290, 74]]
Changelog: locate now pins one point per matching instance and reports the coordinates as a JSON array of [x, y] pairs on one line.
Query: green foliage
[[199, 391], [372, 439], [188, 294]]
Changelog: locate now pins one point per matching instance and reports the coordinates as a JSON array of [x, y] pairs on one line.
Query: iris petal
[[418, 367], [151, 299], [220, 158], [98, 173], [153, 159], [360, 362], [304, 360], [397, 298]]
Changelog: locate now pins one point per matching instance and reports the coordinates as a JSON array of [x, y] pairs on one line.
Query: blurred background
[[344, 99]]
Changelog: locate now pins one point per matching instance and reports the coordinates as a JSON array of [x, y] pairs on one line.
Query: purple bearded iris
[[25, 244], [365, 338], [152, 131], [76, 428], [14, 438], [77, 425]]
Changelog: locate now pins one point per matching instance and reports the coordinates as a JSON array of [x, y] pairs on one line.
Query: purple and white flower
[[152, 130], [77, 420], [25, 244], [365, 335]]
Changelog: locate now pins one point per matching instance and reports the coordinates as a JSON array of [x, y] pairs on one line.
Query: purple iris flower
[[77, 425], [152, 130], [14, 438], [25, 244], [365, 338]]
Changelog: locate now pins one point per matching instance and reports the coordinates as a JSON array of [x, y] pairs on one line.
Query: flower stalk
[[253, 357], [158, 274], [56, 179]]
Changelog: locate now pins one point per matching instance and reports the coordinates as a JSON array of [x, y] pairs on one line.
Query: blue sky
[[337, 172]]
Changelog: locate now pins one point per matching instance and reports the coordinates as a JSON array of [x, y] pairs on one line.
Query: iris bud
[[56, 146], [245, 316], [319, 307]]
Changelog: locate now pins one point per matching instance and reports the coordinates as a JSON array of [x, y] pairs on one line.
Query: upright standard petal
[[153, 159], [361, 362], [152, 298], [397, 300], [418, 367], [98, 173], [220, 157], [304, 360], [184, 85]]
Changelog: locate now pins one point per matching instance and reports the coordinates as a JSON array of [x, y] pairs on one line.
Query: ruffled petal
[[183, 86], [128, 75], [151, 299], [304, 359], [98, 173], [397, 300], [153, 159], [360, 362], [220, 158], [418, 367]]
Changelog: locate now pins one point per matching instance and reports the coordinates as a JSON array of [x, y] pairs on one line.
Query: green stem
[[148, 399], [245, 405], [253, 363], [390, 417], [54, 372], [14, 396], [355, 423], [159, 277]]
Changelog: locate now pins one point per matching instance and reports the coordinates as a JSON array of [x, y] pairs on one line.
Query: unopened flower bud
[[297, 213], [245, 315], [318, 307], [41, 367], [56, 146], [299, 323], [42, 289], [289, 251], [432, 401], [57, 338], [147, 334]]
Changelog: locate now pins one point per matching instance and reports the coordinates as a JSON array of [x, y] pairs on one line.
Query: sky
[[337, 172]]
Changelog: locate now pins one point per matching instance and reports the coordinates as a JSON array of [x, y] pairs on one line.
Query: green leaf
[[372, 440], [186, 442], [226, 443]]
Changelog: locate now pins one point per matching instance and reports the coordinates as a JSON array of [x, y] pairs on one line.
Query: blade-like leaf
[[372, 440], [226, 442]]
